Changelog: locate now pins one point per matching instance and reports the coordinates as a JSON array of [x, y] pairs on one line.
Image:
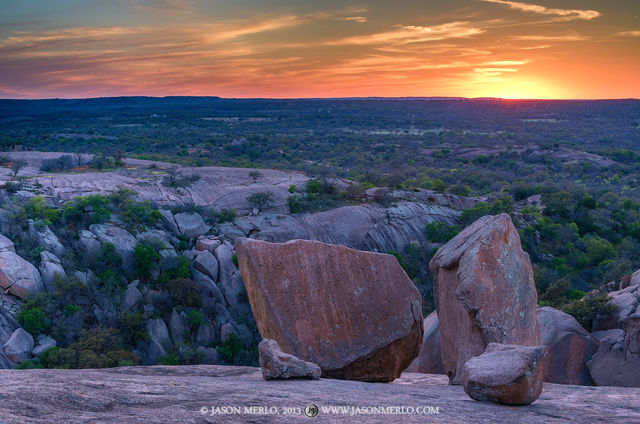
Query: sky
[[578, 49]]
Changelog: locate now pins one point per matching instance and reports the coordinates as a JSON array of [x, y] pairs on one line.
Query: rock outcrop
[[484, 292], [355, 314], [429, 361], [506, 374], [20, 277], [50, 269], [570, 347], [369, 227], [277, 365]]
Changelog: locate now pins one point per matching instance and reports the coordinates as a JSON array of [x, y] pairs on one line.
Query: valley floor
[[188, 394]]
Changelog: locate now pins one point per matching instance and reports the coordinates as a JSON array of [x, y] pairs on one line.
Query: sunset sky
[[330, 48]]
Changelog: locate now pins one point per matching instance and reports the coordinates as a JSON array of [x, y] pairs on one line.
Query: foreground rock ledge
[[163, 394], [356, 314]]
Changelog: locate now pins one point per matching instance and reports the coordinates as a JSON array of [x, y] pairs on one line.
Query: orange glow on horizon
[[491, 48]]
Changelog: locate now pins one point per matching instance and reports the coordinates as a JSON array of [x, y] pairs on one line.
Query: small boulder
[[207, 243], [18, 275], [169, 221], [131, 296], [19, 346], [354, 313], [277, 365], [207, 264], [570, 347], [429, 361], [42, 344], [177, 326], [191, 224], [506, 374], [227, 331], [50, 269], [484, 292]]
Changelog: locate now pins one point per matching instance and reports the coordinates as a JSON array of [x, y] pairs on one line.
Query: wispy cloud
[[563, 14], [404, 34], [629, 33], [566, 37], [359, 19]]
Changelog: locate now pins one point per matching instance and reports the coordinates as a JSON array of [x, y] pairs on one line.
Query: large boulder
[[570, 347], [18, 275], [429, 361], [356, 314], [617, 361], [484, 292], [19, 346], [506, 374], [50, 269], [191, 224], [123, 241], [277, 365]]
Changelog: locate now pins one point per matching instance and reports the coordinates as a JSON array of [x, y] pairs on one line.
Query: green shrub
[[87, 210], [225, 215], [169, 359], [29, 364], [229, 349], [32, 319], [137, 215], [589, 307], [234, 259], [69, 310], [146, 259], [439, 232], [295, 204], [260, 201], [132, 328], [195, 318], [109, 258], [184, 292], [111, 282], [36, 209]]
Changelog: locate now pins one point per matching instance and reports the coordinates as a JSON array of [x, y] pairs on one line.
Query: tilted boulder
[[570, 347], [19, 346], [206, 263], [429, 361], [6, 245], [45, 237], [506, 374], [356, 314], [50, 269], [277, 365], [18, 275], [484, 292]]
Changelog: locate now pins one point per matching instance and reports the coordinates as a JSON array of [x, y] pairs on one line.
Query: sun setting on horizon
[[283, 49]]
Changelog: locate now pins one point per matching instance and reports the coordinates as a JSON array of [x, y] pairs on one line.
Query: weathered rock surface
[[506, 374], [277, 365], [180, 394], [19, 346], [484, 292], [159, 333], [50, 269], [570, 347], [191, 224], [356, 314], [18, 275], [369, 227], [429, 361]]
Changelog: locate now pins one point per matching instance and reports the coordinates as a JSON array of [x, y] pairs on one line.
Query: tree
[[17, 166], [260, 201], [255, 175]]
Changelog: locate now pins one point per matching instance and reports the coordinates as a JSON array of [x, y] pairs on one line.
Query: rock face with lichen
[[356, 314], [484, 292]]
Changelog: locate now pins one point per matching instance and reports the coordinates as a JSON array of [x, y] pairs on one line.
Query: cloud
[[404, 34], [567, 37], [359, 19], [160, 6], [629, 33], [563, 14]]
